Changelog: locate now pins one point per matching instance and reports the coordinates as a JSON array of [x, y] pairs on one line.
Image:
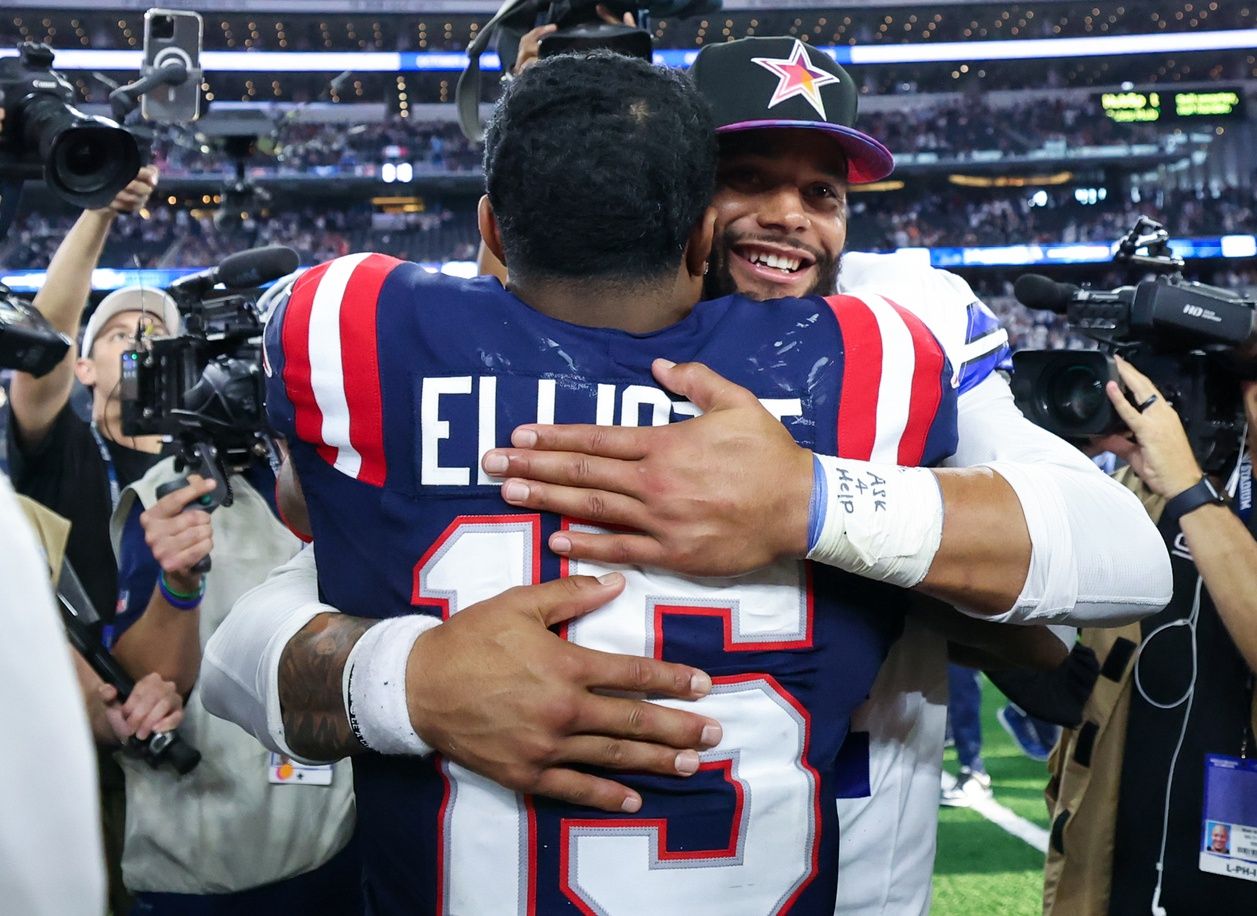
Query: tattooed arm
[[310, 671], [492, 688]]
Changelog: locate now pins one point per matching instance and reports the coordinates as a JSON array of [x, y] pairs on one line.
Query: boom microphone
[[1039, 292], [243, 269]]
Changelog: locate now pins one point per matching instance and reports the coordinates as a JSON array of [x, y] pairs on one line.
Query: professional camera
[[28, 342], [86, 160], [204, 389], [1190, 339], [580, 28]]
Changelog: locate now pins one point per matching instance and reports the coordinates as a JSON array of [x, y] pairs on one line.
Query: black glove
[[1054, 696]]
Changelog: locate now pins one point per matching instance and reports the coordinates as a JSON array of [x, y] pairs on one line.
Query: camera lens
[[86, 160], [75, 161], [1075, 396], [163, 28], [92, 160]]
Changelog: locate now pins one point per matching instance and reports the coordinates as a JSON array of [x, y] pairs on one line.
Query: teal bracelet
[[181, 600]]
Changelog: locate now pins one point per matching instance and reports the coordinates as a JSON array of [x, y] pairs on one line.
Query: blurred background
[[1028, 136], [1012, 160]]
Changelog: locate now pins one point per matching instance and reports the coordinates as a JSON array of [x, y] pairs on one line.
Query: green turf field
[[981, 870]]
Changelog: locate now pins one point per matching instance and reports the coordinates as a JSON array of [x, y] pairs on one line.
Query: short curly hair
[[598, 166]]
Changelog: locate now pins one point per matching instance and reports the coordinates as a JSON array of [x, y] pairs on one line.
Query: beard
[[720, 282]]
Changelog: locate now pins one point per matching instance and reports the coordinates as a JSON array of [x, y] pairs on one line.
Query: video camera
[[85, 159], [1191, 340], [204, 389], [580, 28], [28, 342]]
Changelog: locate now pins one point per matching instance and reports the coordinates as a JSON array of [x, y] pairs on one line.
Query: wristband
[[876, 520], [1202, 493], [183, 601], [374, 686]]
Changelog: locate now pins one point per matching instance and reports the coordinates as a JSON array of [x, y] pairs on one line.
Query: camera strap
[[115, 491], [1243, 495]]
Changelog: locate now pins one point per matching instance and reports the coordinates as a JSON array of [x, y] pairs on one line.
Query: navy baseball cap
[[759, 83]]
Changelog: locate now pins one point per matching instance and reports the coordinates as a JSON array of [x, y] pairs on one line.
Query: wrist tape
[[374, 686], [876, 520]]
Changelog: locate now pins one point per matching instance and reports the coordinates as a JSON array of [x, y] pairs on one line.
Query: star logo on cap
[[797, 76]]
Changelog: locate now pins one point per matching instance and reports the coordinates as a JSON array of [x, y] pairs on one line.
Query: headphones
[[1189, 695]]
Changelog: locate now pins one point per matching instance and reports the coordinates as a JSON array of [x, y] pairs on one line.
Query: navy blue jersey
[[391, 383]]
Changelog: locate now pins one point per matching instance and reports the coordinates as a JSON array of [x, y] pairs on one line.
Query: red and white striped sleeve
[[329, 369], [896, 384]]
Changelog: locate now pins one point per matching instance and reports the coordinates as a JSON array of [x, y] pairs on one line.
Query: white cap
[[131, 299]]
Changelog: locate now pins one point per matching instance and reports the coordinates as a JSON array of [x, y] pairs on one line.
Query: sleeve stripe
[[983, 346], [980, 322], [327, 375], [332, 368], [360, 366], [927, 388], [295, 333], [861, 371], [896, 389]]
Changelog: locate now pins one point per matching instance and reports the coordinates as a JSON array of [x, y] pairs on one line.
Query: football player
[[785, 116], [391, 384], [825, 191]]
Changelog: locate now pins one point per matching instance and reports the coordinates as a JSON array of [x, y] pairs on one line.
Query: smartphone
[[172, 34]]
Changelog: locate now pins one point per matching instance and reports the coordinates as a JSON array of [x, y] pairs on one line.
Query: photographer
[[76, 468], [1140, 788], [289, 826], [73, 467]]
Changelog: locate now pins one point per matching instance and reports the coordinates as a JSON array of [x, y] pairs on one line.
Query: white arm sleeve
[[1096, 557], [240, 665]]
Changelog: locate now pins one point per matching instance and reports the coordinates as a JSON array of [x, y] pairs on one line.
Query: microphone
[[1039, 292], [242, 269]]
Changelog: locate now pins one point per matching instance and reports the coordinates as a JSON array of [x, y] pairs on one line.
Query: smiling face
[[1220, 838], [781, 214]]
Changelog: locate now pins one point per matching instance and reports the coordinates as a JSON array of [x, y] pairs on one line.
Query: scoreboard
[[1146, 107]]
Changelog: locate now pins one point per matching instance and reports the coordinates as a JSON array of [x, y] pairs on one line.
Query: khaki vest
[[224, 827], [51, 531], [1086, 769]]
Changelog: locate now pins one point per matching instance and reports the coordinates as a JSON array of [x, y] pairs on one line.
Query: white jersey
[[889, 815], [51, 858], [972, 339], [889, 822]]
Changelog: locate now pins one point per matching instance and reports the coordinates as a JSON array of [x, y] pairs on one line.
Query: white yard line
[[1024, 830]]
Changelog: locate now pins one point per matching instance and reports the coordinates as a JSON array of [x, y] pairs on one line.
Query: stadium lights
[[402, 172], [1010, 181], [893, 184], [913, 53]]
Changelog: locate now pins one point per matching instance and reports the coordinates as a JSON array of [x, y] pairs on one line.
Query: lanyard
[[115, 492], [1244, 487]]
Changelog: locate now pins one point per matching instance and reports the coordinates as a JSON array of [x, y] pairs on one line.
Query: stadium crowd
[[445, 709], [957, 130], [868, 26], [853, 25], [187, 235], [327, 149]]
